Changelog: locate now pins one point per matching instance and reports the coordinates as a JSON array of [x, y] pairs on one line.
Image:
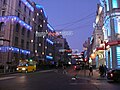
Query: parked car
[[113, 75]]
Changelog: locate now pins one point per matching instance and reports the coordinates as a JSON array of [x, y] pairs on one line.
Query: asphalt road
[[52, 80]]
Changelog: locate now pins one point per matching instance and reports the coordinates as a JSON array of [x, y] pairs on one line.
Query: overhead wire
[[77, 21]]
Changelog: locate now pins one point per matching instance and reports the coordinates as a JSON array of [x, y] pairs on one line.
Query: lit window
[[43, 53], [114, 4], [35, 51], [40, 25], [39, 44], [37, 14], [45, 47], [41, 11], [107, 3], [44, 21], [33, 19]]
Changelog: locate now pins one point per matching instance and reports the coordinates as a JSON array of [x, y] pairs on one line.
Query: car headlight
[[17, 69], [23, 69]]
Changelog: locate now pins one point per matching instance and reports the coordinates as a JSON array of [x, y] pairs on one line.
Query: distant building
[[98, 43]]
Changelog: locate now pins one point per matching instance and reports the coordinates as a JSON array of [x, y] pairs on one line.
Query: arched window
[[1, 26]]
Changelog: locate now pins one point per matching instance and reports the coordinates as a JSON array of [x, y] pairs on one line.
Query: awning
[[112, 43], [100, 48]]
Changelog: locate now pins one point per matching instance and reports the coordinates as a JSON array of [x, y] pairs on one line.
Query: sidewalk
[[85, 74]]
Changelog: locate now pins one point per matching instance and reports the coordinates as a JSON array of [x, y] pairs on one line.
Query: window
[[107, 3], [29, 13], [17, 27], [27, 45], [4, 1], [23, 31], [3, 12], [19, 3], [29, 22], [18, 14], [24, 19], [114, 4], [16, 41], [25, 8], [28, 33], [1, 26], [22, 43]]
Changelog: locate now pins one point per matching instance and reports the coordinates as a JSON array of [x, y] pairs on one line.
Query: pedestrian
[[101, 70], [105, 70], [90, 71], [64, 69]]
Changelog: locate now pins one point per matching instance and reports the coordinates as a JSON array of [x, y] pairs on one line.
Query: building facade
[[98, 47], [112, 32], [16, 30]]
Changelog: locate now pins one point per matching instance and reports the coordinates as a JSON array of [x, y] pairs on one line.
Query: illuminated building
[[16, 30], [107, 34], [111, 31]]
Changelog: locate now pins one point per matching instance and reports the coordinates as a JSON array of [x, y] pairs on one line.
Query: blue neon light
[[111, 64], [118, 56], [41, 7], [49, 57], [16, 19], [114, 4], [28, 5], [48, 40], [13, 49], [107, 3], [50, 27]]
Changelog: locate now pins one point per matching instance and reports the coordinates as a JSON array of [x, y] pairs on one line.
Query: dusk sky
[[76, 16]]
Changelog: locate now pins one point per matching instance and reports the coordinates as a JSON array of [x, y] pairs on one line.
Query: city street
[[53, 80]]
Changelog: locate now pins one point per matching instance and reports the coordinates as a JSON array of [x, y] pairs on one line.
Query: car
[[113, 75]]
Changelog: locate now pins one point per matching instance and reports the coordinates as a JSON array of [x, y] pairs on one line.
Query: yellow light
[[93, 56], [23, 69]]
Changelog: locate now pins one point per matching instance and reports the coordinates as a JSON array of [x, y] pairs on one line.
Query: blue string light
[[16, 19], [48, 25], [41, 7], [13, 49], [49, 57], [28, 5], [48, 40]]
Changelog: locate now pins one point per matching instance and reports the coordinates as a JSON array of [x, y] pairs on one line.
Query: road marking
[[77, 83], [4, 78], [46, 71]]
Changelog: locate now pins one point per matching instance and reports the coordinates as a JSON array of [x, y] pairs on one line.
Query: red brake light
[[74, 67]]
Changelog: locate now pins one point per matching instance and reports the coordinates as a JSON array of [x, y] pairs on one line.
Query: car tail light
[[74, 67], [111, 75]]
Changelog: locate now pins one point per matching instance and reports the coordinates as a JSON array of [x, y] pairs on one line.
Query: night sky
[[74, 17]]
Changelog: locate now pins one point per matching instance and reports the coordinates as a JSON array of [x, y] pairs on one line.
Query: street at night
[[53, 80], [59, 44]]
